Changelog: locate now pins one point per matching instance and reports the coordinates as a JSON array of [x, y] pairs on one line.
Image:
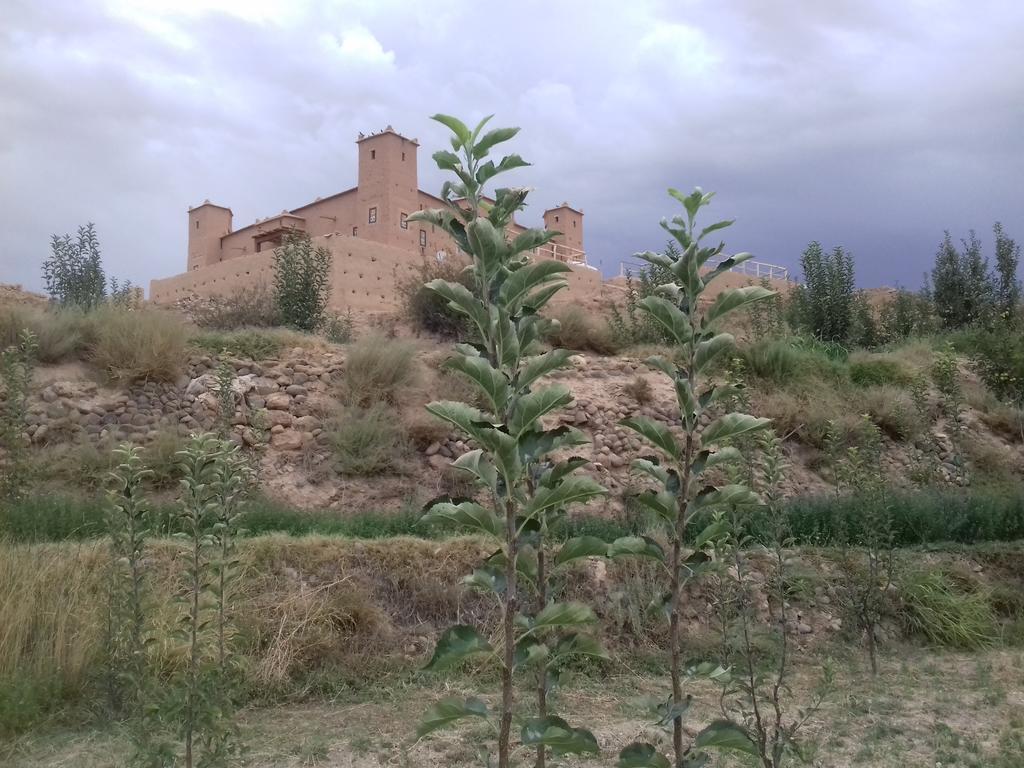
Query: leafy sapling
[[522, 481], [680, 494]]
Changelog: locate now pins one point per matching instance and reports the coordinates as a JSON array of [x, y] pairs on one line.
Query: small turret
[[207, 224]]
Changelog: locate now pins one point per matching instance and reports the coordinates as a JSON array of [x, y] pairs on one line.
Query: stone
[[200, 384], [264, 386], [306, 423], [287, 440], [276, 418], [437, 461], [803, 628], [433, 448], [279, 401], [295, 390], [48, 395]]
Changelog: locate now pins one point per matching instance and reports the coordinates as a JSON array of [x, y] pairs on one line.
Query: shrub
[[248, 345], [944, 613], [962, 289], [423, 308], [74, 271], [892, 410], [338, 329], [302, 285], [147, 344], [376, 370], [788, 360], [161, 457], [16, 365], [630, 325], [824, 304], [639, 389], [253, 307], [577, 331], [368, 441], [872, 371], [906, 315], [60, 334]]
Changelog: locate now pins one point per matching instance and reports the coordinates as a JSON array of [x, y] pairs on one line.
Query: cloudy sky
[[875, 125]]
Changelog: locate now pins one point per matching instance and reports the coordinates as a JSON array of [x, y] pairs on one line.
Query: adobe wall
[[362, 279]]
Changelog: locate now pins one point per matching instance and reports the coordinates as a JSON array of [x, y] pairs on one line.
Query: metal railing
[[560, 252], [752, 268]]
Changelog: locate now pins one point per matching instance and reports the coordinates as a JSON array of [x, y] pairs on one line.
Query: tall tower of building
[[207, 224], [388, 188], [569, 222]]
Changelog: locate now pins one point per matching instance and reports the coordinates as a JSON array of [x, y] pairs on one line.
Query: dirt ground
[[925, 710]]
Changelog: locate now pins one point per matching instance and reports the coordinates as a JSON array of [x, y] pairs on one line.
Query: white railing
[[560, 252], [752, 268]]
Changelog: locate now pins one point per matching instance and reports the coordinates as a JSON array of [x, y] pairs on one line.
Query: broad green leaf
[[652, 469], [562, 469], [456, 126], [529, 408], [715, 227], [727, 495], [540, 297], [638, 546], [667, 711], [639, 755], [446, 161], [662, 503], [705, 459], [506, 339], [578, 644], [668, 317], [525, 279], [711, 532], [456, 644], [726, 264], [731, 425], [487, 243], [492, 138], [542, 365], [572, 490], [724, 734], [564, 615], [477, 464], [656, 433], [491, 381], [502, 448], [468, 514], [462, 300], [487, 579], [529, 650], [734, 298], [580, 547], [560, 737], [537, 444], [463, 416], [448, 711], [534, 238], [712, 348]]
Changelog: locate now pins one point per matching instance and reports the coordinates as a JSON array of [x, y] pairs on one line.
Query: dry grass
[[369, 441], [60, 334], [377, 369], [581, 332], [146, 344], [639, 389]]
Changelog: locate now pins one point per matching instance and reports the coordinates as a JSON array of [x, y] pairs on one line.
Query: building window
[[197, 225], [556, 219], [373, 215], [355, 231], [403, 157], [373, 154], [574, 223], [423, 238], [404, 221]]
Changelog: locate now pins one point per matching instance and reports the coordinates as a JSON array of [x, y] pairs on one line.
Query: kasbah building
[[372, 242]]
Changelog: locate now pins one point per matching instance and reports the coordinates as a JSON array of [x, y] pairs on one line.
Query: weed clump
[[137, 345], [376, 370], [368, 441], [938, 609]]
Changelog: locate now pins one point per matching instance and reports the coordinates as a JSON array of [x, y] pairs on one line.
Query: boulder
[[279, 401]]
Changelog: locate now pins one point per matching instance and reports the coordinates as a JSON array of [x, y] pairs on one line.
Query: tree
[[824, 304], [302, 276], [521, 482], [74, 272], [962, 288], [1007, 287], [681, 490]]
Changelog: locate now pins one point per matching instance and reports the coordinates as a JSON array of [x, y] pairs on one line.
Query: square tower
[[388, 188], [569, 222], [207, 224]]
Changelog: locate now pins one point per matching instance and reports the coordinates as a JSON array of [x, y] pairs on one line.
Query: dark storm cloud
[[874, 125]]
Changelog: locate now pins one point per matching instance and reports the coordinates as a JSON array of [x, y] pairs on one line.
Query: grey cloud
[[876, 125]]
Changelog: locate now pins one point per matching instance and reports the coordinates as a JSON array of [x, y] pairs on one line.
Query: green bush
[[824, 304], [871, 371], [369, 441], [74, 271], [425, 309], [945, 614], [787, 360], [376, 370], [579, 332], [136, 345], [247, 345], [302, 282]]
